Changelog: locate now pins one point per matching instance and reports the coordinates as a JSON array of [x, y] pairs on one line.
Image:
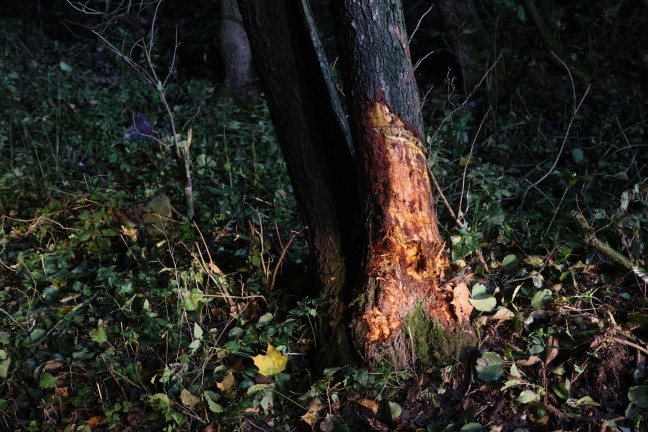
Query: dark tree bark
[[235, 50], [399, 252], [315, 142], [475, 49]]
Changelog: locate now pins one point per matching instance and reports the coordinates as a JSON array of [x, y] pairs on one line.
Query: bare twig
[[281, 257], [418, 24], [576, 108]]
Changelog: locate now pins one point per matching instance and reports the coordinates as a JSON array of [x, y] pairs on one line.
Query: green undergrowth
[[116, 313]]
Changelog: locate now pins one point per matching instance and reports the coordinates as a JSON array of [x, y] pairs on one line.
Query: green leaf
[[256, 388], [578, 155], [510, 383], [235, 332], [198, 331], [510, 260], [194, 345], [265, 319], [542, 299], [481, 299], [528, 396], [471, 427], [5, 362], [520, 13], [562, 389], [99, 335], [484, 305], [47, 381], [36, 334], [65, 67], [489, 366], [193, 299], [211, 399], [160, 402], [395, 410], [639, 396]]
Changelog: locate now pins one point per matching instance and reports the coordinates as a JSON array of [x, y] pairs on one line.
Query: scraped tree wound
[[405, 257], [382, 277]]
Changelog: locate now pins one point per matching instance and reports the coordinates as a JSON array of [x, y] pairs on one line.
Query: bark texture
[[404, 257], [315, 142], [237, 57], [474, 47]]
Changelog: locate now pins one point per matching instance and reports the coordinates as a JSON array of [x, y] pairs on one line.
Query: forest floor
[[119, 314]]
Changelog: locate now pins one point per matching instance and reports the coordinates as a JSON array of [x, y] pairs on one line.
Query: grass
[[118, 313]]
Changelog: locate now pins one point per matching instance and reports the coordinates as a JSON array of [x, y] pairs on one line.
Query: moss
[[432, 343]]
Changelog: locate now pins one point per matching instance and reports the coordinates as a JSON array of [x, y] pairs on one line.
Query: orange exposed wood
[[406, 255]]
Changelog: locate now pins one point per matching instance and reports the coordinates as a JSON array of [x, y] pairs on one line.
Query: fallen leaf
[[530, 361], [369, 404], [96, 420], [311, 415], [188, 399], [228, 382], [272, 363]]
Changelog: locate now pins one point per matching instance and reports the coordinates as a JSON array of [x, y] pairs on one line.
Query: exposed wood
[[404, 257]]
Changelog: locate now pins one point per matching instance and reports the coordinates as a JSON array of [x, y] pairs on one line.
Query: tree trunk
[[314, 139], [475, 48], [404, 257], [384, 283], [235, 50]]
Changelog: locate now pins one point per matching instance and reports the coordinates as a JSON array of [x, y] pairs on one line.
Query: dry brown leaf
[[369, 404], [461, 301], [96, 420], [530, 361], [551, 350]]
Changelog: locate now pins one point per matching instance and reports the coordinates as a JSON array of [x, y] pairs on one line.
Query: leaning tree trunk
[[405, 257], [314, 139], [388, 276]]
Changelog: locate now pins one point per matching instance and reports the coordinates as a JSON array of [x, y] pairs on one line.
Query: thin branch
[[418, 24], [576, 108]]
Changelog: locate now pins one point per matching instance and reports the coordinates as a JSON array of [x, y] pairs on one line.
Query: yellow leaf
[[311, 416], [272, 363], [228, 382]]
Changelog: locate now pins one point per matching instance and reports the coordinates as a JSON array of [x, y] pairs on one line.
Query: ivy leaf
[[471, 427], [528, 396], [211, 399], [198, 331], [510, 260], [99, 335], [481, 299], [542, 299], [272, 363], [5, 362], [489, 366], [160, 402], [47, 381], [639, 396], [188, 399]]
